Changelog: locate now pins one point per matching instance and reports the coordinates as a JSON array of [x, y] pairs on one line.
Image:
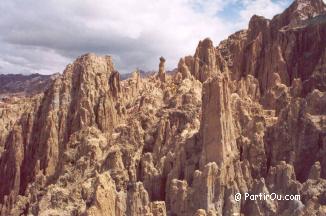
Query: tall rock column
[[161, 70], [207, 61], [217, 128], [183, 69]]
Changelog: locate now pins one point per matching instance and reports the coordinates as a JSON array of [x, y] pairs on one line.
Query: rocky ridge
[[24, 85], [247, 116]]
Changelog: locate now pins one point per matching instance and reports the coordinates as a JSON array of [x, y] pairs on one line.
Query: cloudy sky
[[43, 36]]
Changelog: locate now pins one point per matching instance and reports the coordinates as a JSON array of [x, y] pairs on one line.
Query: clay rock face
[[206, 62], [247, 116], [281, 45], [307, 145], [217, 122], [105, 196], [71, 103], [183, 69], [300, 10]]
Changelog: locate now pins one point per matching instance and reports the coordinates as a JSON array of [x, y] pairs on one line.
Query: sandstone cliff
[[247, 116]]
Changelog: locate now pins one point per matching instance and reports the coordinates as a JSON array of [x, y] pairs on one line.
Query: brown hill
[[25, 85]]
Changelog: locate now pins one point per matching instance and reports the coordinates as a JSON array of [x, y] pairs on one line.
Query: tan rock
[[315, 171], [161, 72], [158, 208], [247, 116], [200, 212], [105, 197], [217, 127], [183, 68]]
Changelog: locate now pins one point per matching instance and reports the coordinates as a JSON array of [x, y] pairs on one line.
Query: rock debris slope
[[247, 116]]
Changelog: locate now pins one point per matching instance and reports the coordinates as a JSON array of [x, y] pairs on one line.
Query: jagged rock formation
[[248, 116], [217, 121], [161, 70], [291, 44]]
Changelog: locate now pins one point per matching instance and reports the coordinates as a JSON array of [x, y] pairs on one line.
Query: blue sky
[[231, 11], [39, 36]]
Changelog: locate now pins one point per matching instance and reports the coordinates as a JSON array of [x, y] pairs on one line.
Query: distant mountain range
[[20, 84]]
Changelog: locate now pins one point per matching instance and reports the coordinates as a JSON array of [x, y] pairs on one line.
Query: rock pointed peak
[[317, 6], [92, 57], [204, 49], [206, 43], [308, 2], [91, 63], [162, 59], [258, 24], [257, 19], [300, 10], [161, 71]]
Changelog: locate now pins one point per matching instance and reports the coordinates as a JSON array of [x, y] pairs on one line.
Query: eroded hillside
[[247, 116]]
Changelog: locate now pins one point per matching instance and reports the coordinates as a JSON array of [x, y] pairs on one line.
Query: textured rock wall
[[248, 116]]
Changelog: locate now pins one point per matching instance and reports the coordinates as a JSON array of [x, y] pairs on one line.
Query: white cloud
[[21, 59], [47, 35], [266, 8]]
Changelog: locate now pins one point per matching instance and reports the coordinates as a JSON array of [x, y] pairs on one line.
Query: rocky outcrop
[[161, 71], [70, 104], [281, 45], [247, 116], [206, 62], [217, 129], [305, 137], [183, 69]]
